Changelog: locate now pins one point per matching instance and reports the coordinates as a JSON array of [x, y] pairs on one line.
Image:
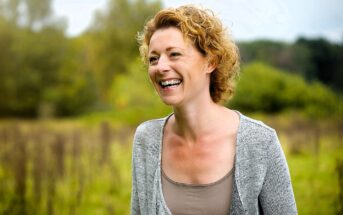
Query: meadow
[[77, 166], [51, 164]]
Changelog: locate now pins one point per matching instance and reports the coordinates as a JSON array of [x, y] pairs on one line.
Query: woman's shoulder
[[149, 133], [151, 126], [257, 133], [254, 126], [257, 141]]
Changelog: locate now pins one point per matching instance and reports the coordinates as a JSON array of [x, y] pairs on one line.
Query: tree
[[114, 36], [9, 9], [33, 14], [30, 59], [314, 59], [277, 90], [326, 61], [38, 12]]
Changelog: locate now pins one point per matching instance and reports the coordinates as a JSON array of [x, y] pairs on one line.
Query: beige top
[[189, 199]]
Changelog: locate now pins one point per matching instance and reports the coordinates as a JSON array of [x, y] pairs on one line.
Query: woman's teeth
[[170, 83]]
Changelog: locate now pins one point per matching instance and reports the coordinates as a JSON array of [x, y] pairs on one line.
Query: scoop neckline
[[188, 185], [182, 183], [159, 169]]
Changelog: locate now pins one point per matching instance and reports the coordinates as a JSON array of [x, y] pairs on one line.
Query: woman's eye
[[175, 54], [153, 59]]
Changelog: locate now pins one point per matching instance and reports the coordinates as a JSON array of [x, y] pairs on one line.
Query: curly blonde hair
[[208, 35]]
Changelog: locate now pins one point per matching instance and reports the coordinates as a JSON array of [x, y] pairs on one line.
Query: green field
[[83, 167]]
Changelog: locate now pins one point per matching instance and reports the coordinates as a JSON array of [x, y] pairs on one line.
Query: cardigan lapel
[[237, 206]]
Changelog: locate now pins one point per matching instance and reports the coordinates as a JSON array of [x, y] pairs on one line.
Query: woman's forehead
[[168, 37]]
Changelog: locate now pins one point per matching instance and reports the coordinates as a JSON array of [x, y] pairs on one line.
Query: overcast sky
[[247, 19]]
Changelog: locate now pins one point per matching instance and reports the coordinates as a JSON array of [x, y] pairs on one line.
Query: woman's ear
[[211, 65]]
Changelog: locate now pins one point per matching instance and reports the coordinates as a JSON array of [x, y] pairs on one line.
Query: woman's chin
[[171, 101]]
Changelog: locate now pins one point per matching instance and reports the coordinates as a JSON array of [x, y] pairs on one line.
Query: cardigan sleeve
[[134, 197], [276, 196], [135, 206]]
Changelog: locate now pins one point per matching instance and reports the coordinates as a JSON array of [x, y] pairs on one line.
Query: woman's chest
[[198, 163]]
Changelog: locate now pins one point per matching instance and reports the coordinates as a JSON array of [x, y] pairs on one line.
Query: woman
[[203, 158]]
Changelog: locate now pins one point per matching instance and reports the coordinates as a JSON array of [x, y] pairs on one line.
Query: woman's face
[[178, 71]]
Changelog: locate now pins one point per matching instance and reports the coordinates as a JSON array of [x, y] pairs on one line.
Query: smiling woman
[[175, 66], [209, 39], [203, 158]]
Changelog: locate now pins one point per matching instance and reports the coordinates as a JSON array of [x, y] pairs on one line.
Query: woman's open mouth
[[172, 83]]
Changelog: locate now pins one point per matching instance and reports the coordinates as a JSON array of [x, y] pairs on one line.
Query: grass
[[315, 182], [77, 167]]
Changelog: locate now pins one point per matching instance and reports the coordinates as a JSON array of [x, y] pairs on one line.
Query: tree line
[[45, 72], [315, 59]]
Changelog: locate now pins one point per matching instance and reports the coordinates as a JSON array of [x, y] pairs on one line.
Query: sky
[[284, 20]]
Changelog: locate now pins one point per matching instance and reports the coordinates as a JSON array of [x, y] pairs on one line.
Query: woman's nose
[[163, 64]]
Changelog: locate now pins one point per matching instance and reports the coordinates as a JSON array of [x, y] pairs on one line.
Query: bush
[[267, 89], [133, 97]]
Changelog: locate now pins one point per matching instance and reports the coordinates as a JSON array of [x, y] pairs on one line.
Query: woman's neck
[[194, 121]]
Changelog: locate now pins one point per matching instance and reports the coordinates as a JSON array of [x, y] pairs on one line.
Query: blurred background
[[73, 89]]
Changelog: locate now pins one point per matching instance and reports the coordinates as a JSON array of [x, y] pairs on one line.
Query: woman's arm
[[276, 196], [135, 210]]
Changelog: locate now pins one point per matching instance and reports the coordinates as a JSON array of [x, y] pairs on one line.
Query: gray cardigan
[[261, 185]]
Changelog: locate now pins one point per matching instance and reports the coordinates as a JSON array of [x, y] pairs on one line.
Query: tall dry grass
[[54, 167], [45, 167]]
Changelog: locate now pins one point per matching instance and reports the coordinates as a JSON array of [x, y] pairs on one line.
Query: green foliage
[[44, 73], [31, 73], [132, 99], [314, 59], [33, 14], [264, 88], [325, 62], [114, 34], [133, 96], [77, 90], [271, 52], [33, 50], [58, 167], [314, 179]]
